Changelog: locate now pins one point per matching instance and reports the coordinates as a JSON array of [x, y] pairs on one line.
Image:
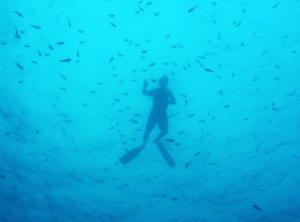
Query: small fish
[[3, 43], [50, 47], [60, 43], [65, 60], [264, 52], [77, 53], [156, 14], [26, 46], [69, 22], [112, 24], [80, 31], [18, 13], [133, 121], [111, 15], [199, 62], [17, 33], [20, 67], [227, 106], [141, 8], [186, 165], [170, 140], [276, 5], [2, 176], [196, 154], [174, 199], [152, 64], [189, 116], [238, 24], [36, 27], [257, 208], [153, 80], [63, 76], [208, 70], [190, 10]]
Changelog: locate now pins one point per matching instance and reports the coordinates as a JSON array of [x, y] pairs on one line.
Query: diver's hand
[[146, 83]]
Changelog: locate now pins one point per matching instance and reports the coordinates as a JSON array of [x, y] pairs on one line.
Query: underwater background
[[71, 105]]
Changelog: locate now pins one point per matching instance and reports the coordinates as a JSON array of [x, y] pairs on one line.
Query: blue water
[[71, 104]]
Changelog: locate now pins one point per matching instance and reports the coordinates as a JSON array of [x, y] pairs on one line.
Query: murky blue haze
[[72, 103]]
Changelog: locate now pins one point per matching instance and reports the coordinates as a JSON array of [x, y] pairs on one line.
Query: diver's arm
[[145, 92]]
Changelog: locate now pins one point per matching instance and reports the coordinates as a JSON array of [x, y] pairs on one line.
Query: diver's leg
[[163, 126], [149, 127]]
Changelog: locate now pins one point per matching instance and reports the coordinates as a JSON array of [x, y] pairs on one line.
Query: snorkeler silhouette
[[161, 98]]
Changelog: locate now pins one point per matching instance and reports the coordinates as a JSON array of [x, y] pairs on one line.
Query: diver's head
[[163, 81]]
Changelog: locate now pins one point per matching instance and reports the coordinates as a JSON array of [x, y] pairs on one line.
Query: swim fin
[[130, 155], [165, 154]]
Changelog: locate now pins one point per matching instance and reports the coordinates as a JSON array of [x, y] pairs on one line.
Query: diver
[[162, 97]]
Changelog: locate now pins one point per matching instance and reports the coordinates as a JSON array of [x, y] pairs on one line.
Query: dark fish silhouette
[[19, 14], [190, 10], [196, 154], [208, 70], [257, 208], [186, 165], [66, 60], [17, 33], [36, 27], [112, 24], [238, 24], [276, 5], [20, 67]]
